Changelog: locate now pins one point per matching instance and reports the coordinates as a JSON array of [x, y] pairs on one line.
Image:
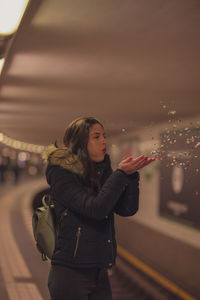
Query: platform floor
[[23, 276]]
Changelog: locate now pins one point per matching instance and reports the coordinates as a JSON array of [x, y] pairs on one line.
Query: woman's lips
[[104, 150]]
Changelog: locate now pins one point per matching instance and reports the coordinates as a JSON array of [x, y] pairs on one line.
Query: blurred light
[[23, 156], [2, 61], [11, 13], [1, 137], [32, 170], [21, 145]]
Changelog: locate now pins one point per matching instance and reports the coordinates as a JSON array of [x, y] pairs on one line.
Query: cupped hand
[[130, 165]]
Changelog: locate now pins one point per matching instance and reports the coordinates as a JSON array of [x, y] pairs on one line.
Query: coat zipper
[[78, 234], [110, 225]]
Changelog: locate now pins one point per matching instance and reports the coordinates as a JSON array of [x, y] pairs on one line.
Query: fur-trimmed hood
[[64, 158]]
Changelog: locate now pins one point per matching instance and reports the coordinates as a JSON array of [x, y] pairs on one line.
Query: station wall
[[169, 188]]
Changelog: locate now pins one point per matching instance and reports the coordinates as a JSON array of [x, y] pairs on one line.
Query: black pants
[[79, 284]]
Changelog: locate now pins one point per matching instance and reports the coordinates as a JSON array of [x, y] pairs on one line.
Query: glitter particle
[[197, 145], [153, 152]]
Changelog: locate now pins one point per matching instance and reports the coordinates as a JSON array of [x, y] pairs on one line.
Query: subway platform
[[23, 275]]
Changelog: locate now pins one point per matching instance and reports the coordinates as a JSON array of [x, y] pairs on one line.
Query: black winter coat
[[87, 235]]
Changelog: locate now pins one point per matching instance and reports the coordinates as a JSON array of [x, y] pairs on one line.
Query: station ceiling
[[119, 61]]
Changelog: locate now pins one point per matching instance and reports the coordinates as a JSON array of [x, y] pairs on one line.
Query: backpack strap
[[48, 203], [63, 214], [59, 221]]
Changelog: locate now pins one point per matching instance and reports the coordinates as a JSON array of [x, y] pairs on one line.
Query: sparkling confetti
[[153, 152], [174, 135], [197, 145]]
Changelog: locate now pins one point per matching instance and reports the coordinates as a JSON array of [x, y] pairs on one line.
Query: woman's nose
[[104, 140]]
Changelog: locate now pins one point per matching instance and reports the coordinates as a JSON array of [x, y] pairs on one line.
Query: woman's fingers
[[141, 162], [145, 163], [138, 159], [129, 158], [150, 160], [135, 164], [130, 165]]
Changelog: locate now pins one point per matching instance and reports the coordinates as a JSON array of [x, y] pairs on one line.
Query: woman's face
[[96, 143]]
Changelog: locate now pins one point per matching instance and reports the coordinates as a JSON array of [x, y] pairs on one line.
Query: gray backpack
[[45, 227]]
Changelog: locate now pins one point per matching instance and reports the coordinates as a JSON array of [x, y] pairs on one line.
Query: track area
[[23, 275]]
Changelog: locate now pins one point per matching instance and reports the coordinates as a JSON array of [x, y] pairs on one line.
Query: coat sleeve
[[67, 189], [128, 202]]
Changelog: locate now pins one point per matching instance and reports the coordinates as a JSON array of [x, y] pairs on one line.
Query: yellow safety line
[[153, 274]]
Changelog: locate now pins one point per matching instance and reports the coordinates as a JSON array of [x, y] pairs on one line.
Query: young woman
[[82, 181]]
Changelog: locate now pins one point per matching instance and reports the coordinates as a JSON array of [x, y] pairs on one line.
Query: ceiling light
[[2, 61], [16, 144], [11, 13]]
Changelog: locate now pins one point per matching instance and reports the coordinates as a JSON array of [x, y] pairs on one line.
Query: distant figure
[[15, 169], [3, 168], [81, 179]]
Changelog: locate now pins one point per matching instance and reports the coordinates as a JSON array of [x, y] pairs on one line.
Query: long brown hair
[[76, 139]]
